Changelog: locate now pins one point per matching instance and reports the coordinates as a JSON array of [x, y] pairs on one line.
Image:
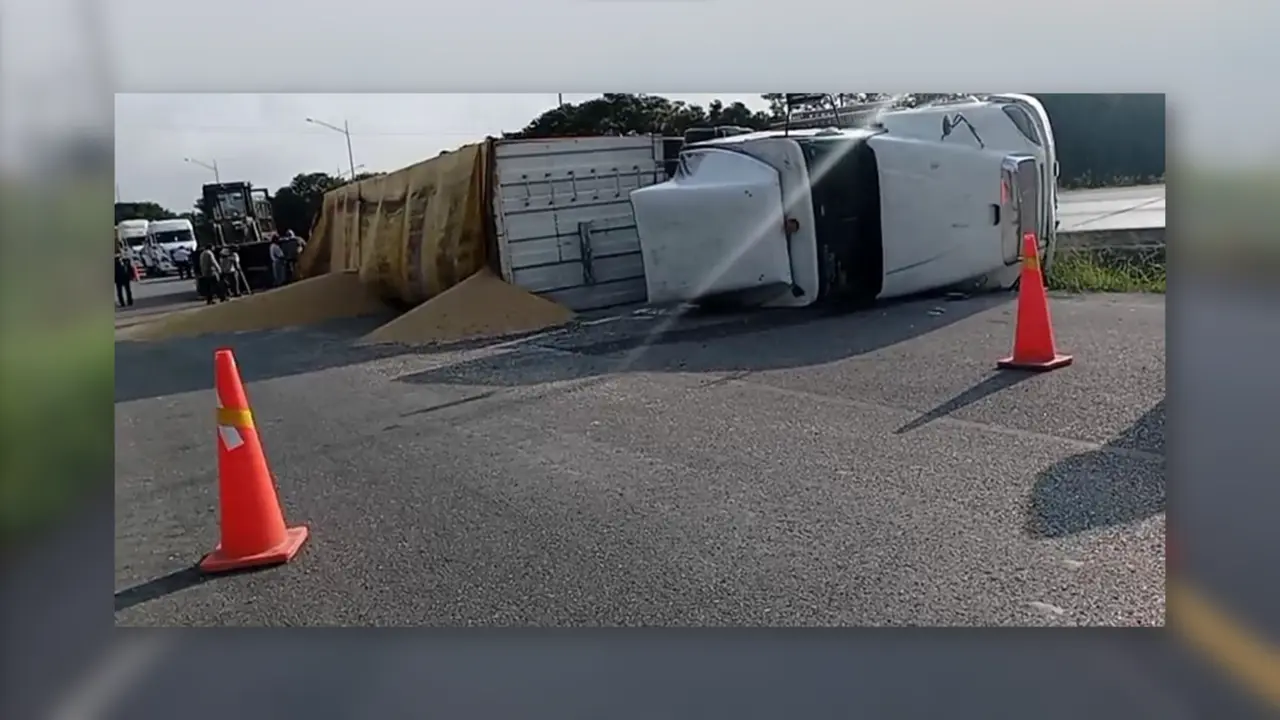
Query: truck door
[[1019, 203]]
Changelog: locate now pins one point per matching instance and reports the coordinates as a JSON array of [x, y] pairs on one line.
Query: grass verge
[[54, 416], [57, 359], [1119, 270]]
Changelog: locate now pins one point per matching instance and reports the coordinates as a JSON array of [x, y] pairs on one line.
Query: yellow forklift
[[240, 217]]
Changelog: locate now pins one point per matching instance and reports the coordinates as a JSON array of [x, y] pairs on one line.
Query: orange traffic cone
[[1033, 346], [253, 532]]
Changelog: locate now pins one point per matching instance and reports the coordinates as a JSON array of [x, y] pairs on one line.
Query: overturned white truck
[[920, 199]]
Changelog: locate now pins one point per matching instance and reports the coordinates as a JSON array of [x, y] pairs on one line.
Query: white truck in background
[[167, 236], [131, 239], [916, 200], [134, 237]]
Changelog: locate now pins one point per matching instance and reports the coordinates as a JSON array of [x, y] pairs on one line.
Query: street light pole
[[351, 158], [217, 177], [346, 131]]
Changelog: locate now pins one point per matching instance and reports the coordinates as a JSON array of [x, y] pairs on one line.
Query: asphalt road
[[154, 296], [403, 529], [1225, 524], [1109, 209], [1227, 536], [869, 469]]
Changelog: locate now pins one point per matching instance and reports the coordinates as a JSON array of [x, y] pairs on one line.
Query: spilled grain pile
[[483, 305], [328, 297]]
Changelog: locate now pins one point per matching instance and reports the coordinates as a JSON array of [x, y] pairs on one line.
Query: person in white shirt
[[232, 274], [182, 259]]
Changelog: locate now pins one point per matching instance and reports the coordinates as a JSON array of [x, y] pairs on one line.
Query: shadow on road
[[174, 582], [1086, 492], [643, 341], [154, 302], [155, 369], [159, 587], [1000, 380], [709, 342]]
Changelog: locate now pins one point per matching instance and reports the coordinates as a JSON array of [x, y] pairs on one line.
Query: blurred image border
[[1223, 225]]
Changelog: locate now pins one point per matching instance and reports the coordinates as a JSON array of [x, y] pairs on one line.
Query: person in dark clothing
[[289, 244], [124, 281]]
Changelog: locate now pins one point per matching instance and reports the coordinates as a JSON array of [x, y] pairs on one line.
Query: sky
[[164, 141], [59, 60]]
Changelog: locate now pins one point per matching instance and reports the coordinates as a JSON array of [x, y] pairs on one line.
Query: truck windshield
[[174, 236], [136, 242]]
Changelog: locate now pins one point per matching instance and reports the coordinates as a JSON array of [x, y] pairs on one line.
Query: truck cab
[[173, 234], [134, 237], [916, 200], [167, 236]]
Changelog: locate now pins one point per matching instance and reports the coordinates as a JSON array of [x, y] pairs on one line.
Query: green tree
[[146, 210], [297, 204], [1108, 138], [628, 114]]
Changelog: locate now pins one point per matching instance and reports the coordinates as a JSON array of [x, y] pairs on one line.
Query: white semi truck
[[916, 200], [131, 239], [134, 237], [167, 236]]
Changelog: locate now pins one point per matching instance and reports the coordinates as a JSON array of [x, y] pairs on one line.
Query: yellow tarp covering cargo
[[410, 234]]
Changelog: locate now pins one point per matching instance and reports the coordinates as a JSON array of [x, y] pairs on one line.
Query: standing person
[[277, 263], [241, 279], [227, 271], [233, 274], [210, 280], [124, 281], [291, 250], [302, 245], [182, 258]]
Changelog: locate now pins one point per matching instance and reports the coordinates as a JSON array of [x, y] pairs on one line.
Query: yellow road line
[[1236, 650]]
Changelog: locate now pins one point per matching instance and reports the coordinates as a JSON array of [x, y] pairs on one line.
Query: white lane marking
[[1045, 607], [110, 677]]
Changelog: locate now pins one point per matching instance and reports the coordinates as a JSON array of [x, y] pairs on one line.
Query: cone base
[[1056, 362], [219, 562]]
